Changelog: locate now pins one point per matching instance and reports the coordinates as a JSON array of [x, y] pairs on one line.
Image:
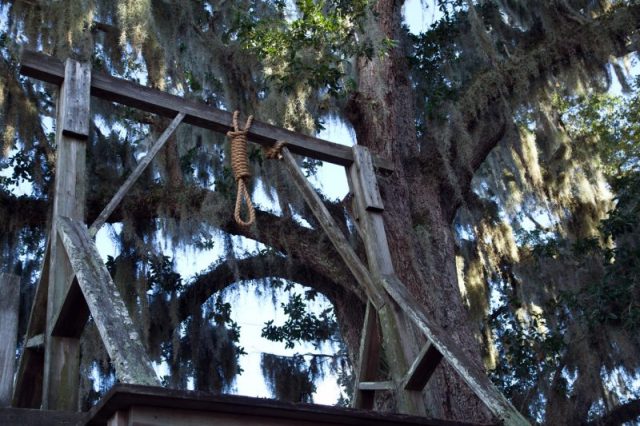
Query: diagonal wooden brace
[[122, 341], [133, 177]]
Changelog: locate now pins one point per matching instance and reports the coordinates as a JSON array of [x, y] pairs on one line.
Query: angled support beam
[[9, 306], [422, 368], [469, 371], [135, 175], [109, 312], [330, 227], [49, 69]]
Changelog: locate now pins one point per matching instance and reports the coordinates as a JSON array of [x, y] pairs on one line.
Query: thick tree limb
[[487, 102], [256, 267], [623, 413]]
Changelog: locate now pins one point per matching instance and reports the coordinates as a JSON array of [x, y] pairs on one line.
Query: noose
[[240, 166]]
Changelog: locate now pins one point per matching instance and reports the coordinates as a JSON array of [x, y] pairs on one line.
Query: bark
[[418, 228]]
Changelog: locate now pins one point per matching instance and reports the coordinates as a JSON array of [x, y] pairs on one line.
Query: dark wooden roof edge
[[47, 68], [124, 396], [33, 417]]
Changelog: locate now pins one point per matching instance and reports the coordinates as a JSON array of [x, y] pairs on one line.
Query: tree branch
[[622, 413], [487, 103]]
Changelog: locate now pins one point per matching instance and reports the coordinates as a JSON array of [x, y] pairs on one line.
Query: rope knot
[[275, 152], [240, 167]]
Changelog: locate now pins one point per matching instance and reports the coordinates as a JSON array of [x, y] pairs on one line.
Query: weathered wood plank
[[363, 167], [35, 342], [62, 355], [9, 306], [422, 368], [47, 68], [330, 227], [74, 100], [368, 358], [135, 175], [376, 386], [27, 392], [118, 333], [469, 371], [371, 223], [398, 338]]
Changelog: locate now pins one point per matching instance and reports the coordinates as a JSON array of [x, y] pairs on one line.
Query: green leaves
[[311, 45], [301, 325]]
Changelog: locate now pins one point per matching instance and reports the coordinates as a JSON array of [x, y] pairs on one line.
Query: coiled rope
[[240, 166]]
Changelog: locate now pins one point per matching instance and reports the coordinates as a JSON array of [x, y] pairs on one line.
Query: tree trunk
[[418, 223]]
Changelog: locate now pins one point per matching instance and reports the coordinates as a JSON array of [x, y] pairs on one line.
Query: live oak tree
[[511, 212]]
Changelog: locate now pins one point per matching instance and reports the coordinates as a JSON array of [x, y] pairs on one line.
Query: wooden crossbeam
[[376, 386], [50, 69], [109, 312], [135, 175], [422, 368]]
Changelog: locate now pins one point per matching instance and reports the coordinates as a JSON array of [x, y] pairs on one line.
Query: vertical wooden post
[[62, 354], [9, 306], [397, 336]]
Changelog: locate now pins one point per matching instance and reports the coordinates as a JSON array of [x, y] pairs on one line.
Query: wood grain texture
[[422, 368], [9, 306], [122, 341], [62, 355], [370, 192], [47, 68], [74, 100], [397, 336]]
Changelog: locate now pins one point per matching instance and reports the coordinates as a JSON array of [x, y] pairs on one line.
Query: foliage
[[301, 325]]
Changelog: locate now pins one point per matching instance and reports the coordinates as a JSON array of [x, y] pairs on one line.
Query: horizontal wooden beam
[[50, 69], [376, 386], [422, 368], [122, 341]]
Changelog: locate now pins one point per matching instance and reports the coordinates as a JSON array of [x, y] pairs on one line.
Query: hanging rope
[[240, 167]]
